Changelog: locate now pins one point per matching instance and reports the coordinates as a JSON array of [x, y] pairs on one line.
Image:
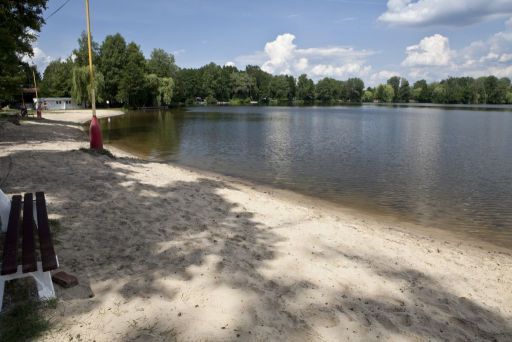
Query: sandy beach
[[164, 253]]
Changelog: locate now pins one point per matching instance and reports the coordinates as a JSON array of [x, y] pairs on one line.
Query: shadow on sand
[[120, 229]]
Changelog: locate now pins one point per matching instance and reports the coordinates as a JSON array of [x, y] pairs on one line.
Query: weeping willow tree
[[80, 87], [159, 90], [165, 90]]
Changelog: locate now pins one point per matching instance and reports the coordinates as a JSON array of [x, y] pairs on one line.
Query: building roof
[[30, 90], [56, 98]]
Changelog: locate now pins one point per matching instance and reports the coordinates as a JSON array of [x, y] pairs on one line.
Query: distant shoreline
[[501, 107]]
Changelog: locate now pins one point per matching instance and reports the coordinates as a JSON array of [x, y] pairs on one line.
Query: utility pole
[[95, 129], [38, 106], [35, 84]]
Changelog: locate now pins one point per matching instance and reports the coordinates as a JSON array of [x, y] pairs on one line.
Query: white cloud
[[178, 52], [302, 64], [342, 20], [382, 76], [279, 52], [443, 12], [336, 52], [256, 58], [282, 56], [230, 64], [505, 58], [322, 70], [433, 59], [431, 51], [40, 59]]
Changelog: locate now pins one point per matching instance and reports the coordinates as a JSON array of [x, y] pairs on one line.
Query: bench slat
[[9, 260], [48, 257], [28, 256]]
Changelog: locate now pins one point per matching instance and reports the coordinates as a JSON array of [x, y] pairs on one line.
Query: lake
[[446, 167]]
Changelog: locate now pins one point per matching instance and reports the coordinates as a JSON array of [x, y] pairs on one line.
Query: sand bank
[[80, 116], [165, 253]]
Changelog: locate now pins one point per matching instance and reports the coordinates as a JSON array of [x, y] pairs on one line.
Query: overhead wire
[[57, 10]]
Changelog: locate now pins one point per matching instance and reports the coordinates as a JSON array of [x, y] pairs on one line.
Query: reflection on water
[[448, 168]]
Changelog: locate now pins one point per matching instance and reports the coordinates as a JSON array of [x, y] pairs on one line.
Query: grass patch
[[103, 152], [25, 317]]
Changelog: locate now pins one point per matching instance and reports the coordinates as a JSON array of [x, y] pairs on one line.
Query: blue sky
[[371, 39]]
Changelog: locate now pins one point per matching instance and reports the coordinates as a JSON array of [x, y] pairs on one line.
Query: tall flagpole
[[94, 130], [91, 69]]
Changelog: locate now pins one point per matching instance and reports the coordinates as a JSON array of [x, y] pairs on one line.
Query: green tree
[[262, 79], [385, 93], [367, 96], [243, 85], [210, 75], [188, 85], [328, 90], [57, 79], [492, 90], [394, 82], [292, 87], [280, 88], [354, 89], [20, 21], [420, 92], [82, 52], [509, 97], [225, 85], [112, 61], [81, 89], [162, 64], [165, 90], [438, 93], [150, 90], [132, 87], [502, 90], [305, 89], [404, 92]]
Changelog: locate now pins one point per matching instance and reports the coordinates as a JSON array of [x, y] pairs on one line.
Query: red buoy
[[95, 134]]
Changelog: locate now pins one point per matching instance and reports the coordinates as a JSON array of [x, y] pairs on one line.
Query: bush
[[211, 100], [235, 102]]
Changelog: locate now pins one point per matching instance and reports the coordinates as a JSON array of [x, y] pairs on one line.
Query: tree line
[[125, 77], [454, 90]]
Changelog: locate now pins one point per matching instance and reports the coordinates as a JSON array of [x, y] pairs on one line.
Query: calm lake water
[[450, 168]]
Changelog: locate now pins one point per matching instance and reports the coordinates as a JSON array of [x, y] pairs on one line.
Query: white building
[[56, 103]]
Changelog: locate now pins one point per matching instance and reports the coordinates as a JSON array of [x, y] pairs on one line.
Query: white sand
[[79, 115], [171, 254]]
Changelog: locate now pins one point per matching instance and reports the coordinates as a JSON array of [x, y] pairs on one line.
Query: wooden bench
[[35, 218]]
